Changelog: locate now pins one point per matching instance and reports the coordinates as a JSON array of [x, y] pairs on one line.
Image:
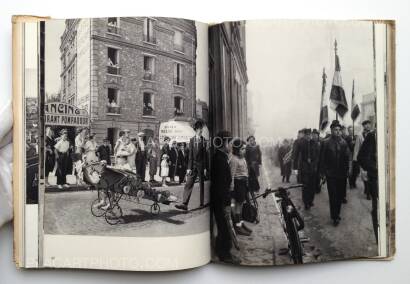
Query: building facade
[[129, 73], [228, 79]]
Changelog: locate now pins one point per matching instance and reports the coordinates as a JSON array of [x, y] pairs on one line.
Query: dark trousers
[[223, 240], [336, 188], [353, 176], [318, 187], [141, 164], [189, 185], [309, 188], [374, 192]]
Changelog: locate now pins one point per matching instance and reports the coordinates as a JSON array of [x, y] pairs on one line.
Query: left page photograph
[[115, 128]]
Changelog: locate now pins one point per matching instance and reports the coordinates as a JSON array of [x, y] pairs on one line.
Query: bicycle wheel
[[96, 209], [113, 215], [295, 246]]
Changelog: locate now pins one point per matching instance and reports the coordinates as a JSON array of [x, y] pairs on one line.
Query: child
[[164, 169]]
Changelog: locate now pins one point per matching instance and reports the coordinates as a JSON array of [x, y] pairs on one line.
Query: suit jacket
[[307, 153], [221, 178], [367, 156], [197, 155], [334, 158]]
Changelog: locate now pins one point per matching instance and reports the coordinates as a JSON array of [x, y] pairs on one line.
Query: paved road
[[353, 238], [69, 213]]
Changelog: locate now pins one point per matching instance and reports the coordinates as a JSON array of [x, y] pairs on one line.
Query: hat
[[335, 123], [126, 130], [141, 133], [366, 121], [106, 139], [315, 131], [307, 131], [63, 131], [166, 138]]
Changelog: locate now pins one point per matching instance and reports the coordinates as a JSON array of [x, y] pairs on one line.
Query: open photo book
[[150, 143]]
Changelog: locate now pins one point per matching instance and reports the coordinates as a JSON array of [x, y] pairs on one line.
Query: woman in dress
[[50, 155], [90, 150], [62, 155]]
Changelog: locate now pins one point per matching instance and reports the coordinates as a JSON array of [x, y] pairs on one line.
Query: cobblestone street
[[353, 238], [69, 213]]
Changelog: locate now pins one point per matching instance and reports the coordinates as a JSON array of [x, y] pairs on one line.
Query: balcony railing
[[178, 112], [179, 47], [113, 29], [149, 76], [150, 39], [179, 82], [114, 70], [113, 110], [148, 111]]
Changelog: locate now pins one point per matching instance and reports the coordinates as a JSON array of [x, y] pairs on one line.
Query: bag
[[249, 212], [71, 179]]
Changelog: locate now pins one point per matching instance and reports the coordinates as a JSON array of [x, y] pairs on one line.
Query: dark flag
[[337, 94], [324, 117], [355, 107]]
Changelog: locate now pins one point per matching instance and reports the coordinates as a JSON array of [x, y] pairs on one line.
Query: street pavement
[[69, 212], [353, 238]]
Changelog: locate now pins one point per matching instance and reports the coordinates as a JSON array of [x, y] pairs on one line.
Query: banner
[[63, 114]]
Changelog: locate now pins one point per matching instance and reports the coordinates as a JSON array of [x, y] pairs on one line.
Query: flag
[[355, 107], [324, 118], [337, 94]]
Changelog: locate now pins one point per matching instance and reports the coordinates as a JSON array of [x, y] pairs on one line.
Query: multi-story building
[[129, 73], [228, 78]]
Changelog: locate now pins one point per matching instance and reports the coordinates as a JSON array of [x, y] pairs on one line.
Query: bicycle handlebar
[[269, 190]]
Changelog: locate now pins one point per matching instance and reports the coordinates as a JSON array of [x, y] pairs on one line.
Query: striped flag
[[355, 107], [337, 94], [324, 117]]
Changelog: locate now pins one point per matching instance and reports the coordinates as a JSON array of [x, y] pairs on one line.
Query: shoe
[[60, 186], [246, 228], [368, 197], [241, 231], [344, 201], [230, 259], [312, 204], [307, 207], [181, 207], [336, 222]]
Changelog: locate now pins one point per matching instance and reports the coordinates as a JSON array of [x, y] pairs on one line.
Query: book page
[[303, 174], [123, 115]]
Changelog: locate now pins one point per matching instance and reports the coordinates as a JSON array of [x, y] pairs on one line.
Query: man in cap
[[317, 142], [197, 166], [307, 153], [104, 151], [296, 162], [367, 126], [334, 164]]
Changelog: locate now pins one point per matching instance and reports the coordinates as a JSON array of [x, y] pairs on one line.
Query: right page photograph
[[301, 115]]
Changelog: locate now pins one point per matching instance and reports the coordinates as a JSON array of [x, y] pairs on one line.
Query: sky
[[54, 30], [285, 61]]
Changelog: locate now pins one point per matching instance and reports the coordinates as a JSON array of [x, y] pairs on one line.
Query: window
[[112, 25], [148, 108], [113, 61], [149, 35], [179, 41], [179, 106], [149, 67], [179, 74], [112, 101]]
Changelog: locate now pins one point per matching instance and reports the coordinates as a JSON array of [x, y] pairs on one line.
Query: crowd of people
[[234, 180], [337, 159], [64, 158]]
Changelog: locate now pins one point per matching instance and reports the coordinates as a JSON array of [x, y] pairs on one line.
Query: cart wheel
[[155, 209], [96, 209], [113, 215]]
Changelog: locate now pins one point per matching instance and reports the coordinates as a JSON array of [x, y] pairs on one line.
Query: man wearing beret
[[334, 164], [307, 153]]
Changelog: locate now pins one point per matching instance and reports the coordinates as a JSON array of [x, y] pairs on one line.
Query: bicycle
[[290, 219]]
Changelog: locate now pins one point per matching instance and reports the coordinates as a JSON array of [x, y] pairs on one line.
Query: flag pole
[[352, 107], [337, 117]]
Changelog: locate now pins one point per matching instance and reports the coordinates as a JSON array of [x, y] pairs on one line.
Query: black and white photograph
[[126, 128], [295, 173]]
